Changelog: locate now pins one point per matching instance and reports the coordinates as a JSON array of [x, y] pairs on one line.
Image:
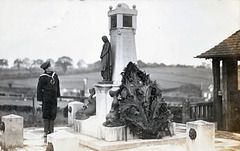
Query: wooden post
[[33, 110], [125, 133], [185, 111], [82, 94], [230, 113], [217, 100], [204, 112]]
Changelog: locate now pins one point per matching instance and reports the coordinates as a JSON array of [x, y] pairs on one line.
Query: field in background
[[172, 77], [167, 77]]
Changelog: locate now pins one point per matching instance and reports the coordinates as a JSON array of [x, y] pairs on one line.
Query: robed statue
[[106, 60]]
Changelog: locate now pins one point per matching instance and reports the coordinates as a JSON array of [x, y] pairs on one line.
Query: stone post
[[13, 133], [200, 136], [73, 107], [172, 128], [103, 99], [63, 141]]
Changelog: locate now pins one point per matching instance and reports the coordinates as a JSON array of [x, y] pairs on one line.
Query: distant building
[[207, 92]]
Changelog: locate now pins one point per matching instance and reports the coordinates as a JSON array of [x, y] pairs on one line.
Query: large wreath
[[138, 104]]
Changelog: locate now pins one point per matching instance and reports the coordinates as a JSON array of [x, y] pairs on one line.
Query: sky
[[168, 31]]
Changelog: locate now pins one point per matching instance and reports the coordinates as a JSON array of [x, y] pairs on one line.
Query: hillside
[[172, 77], [167, 77]]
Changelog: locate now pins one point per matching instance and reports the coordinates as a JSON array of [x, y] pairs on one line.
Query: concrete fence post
[[13, 133], [200, 136]]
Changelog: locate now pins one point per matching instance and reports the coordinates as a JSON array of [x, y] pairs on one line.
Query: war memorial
[[126, 109]]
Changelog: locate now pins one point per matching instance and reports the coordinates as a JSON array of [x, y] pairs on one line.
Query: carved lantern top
[[122, 8], [122, 17]]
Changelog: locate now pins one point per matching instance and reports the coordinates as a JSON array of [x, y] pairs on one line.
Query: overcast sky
[[168, 31]]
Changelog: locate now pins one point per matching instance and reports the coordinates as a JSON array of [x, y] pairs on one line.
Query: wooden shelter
[[225, 57]]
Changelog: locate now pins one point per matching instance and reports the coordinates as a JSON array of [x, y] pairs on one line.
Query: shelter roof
[[229, 47]]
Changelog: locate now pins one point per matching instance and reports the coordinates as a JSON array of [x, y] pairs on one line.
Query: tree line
[[65, 62], [141, 64]]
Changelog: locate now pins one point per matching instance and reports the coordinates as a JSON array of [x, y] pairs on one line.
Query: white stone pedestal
[[205, 136], [93, 127], [90, 126], [63, 141], [73, 107], [112, 133], [13, 134], [103, 99]]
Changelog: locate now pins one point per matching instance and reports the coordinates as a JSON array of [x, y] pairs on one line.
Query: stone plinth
[[63, 140], [93, 127], [103, 99], [13, 134], [200, 136], [112, 133], [90, 126], [73, 107]]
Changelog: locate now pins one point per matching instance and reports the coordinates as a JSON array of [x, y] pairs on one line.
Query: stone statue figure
[[89, 109], [112, 118], [106, 60]]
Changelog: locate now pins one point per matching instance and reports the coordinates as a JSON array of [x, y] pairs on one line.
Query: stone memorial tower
[[122, 28]]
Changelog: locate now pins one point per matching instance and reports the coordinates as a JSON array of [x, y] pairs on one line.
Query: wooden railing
[[203, 111], [192, 111], [78, 98], [74, 98]]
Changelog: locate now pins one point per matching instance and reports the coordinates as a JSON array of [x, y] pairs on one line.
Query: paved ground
[[224, 141]]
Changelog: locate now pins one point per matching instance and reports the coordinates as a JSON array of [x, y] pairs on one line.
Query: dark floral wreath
[[139, 105]]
